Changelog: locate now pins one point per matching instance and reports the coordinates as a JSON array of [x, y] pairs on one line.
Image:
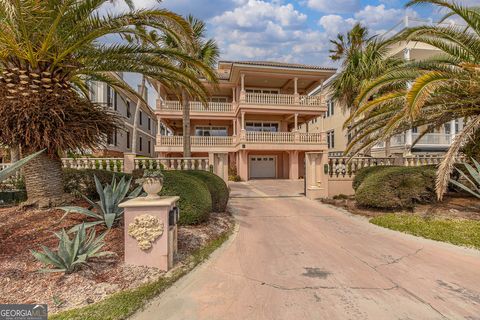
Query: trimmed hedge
[[365, 172], [216, 186], [82, 182], [195, 200], [397, 188]]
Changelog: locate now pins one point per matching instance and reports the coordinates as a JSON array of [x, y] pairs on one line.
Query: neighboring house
[[124, 103], [437, 141], [253, 116]]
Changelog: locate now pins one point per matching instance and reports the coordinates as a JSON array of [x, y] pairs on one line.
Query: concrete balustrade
[[109, 164]]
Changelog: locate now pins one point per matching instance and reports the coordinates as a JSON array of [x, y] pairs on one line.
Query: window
[[207, 131], [115, 141], [218, 99], [330, 108], [149, 146], [149, 124], [415, 130], [129, 112], [140, 142], [115, 97], [264, 91], [141, 118], [128, 139], [109, 96], [262, 126], [331, 139]]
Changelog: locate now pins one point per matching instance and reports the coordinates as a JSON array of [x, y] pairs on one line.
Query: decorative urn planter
[[152, 186]]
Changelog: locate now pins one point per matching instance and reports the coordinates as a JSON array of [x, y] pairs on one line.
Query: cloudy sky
[[288, 30]]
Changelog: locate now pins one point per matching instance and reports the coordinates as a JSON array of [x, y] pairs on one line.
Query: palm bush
[[428, 92], [106, 211], [204, 50], [472, 178], [50, 50], [72, 252]]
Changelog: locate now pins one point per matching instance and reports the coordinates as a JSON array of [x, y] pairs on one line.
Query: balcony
[[282, 100], [443, 139], [196, 107], [248, 140]]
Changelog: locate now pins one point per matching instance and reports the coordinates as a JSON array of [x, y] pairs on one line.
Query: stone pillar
[[242, 165], [211, 161], [129, 162], [243, 121], [234, 95], [408, 142], [293, 165], [296, 121], [316, 178], [295, 91], [154, 246], [234, 126], [242, 87], [452, 130], [387, 147], [220, 166]]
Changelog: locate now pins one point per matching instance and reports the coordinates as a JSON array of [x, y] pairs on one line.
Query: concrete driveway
[[292, 258]]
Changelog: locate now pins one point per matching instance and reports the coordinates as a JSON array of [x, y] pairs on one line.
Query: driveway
[[293, 258]]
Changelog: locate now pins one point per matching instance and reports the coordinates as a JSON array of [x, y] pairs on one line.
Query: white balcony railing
[[311, 101], [173, 163], [269, 99], [433, 139], [270, 137], [197, 106], [109, 164], [312, 137], [197, 141]]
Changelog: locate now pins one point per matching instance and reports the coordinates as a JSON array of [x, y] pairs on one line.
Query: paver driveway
[[292, 258]]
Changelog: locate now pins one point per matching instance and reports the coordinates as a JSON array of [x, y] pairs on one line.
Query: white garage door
[[262, 167]]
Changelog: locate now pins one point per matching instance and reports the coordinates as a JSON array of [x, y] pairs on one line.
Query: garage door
[[262, 167]]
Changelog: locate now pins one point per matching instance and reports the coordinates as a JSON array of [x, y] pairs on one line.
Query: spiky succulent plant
[[72, 252], [106, 211]]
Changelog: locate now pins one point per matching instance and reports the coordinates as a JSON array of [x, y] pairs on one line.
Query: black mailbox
[[173, 216]]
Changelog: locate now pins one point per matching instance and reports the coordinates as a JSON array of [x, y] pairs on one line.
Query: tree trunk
[[135, 117], [187, 148], [14, 154], [44, 181]]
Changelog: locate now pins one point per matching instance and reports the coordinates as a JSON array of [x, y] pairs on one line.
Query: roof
[[280, 65]]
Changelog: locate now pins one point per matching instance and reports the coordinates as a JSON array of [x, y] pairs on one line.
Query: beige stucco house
[[253, 118]]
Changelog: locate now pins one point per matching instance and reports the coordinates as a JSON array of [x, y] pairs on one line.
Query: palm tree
[[49, 50], [363, 58], [204, 50], [429, 92]]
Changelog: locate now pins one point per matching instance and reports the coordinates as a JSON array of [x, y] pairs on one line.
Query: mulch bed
[[24, 229], [454, 206]]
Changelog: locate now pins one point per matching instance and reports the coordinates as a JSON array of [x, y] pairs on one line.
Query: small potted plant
[[152, 182]]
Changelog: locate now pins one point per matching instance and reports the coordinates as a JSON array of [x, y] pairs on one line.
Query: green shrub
[[365, 172], [216, 186], [195, 200], [72, 253], [397, 188], [81, 182]]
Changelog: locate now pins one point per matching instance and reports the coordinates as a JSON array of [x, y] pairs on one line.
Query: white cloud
[[334, 6], [257, 13], [375, 16], [335, 24]]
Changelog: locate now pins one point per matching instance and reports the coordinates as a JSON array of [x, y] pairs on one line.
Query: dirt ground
[[454, 206], [23, 230]]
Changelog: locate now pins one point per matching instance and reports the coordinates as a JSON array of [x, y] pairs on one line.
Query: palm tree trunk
[[187, 149], [135, 117], [44, 181]]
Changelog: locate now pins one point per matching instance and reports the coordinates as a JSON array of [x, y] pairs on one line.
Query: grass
[[459, 232], [123, 304]]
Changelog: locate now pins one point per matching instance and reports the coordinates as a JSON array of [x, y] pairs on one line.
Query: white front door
[[262, 166]]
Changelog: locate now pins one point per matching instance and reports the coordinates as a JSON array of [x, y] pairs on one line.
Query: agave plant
[[106, 211], [473, 180], [5, 173], [72, 253]]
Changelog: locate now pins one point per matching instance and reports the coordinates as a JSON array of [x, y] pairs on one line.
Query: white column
[[159, 126], [296, 121], [452, 130], [234, 127], [243, 120], [295, 85], [234, 99], [242, 82]]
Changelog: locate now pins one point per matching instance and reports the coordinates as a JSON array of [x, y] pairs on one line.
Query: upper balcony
[[430, 141], [252, 101], [246, 140]]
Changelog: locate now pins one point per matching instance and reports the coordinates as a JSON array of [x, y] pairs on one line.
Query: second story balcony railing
[[197, 141], [196, 106], [433, 139], [282, 99]]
